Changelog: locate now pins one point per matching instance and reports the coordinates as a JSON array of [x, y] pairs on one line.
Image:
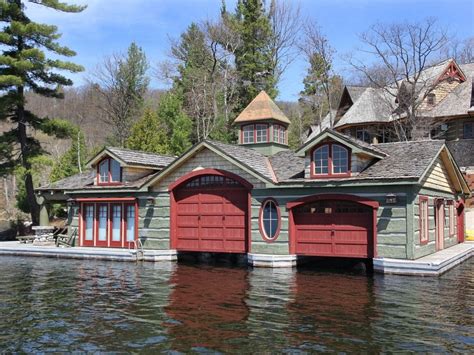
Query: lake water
[[64, 305]]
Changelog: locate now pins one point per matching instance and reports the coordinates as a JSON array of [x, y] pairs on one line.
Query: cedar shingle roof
[[260, 108], [135, 157], [460, 100], [373, 105], [249, 157], [404, 160], [463, 152], [71, 182]]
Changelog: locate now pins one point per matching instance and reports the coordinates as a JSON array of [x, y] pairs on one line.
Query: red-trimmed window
[[255, 133], [424, 219], [279, 134], [330, 159], [269, 220], [451, 216], [248, 134], [261, 133], [109, 172]]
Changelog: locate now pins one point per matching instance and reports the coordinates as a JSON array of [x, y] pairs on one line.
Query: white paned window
[[248, 134], [339, 159], [102, 220], [321, 160], [89, 222], [261, 133], [116, 222], [130, 223]]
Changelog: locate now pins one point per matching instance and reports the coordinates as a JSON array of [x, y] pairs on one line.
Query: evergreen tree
[[25, 66], [177, 125], [253, 58], [148, 134], [122, 82]]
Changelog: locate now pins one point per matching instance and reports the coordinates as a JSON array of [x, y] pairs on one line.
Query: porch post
[[44, 213]]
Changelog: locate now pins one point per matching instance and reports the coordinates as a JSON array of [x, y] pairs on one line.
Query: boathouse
[[336, 196]]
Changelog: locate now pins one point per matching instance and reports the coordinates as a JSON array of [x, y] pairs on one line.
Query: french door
[[109, 224]]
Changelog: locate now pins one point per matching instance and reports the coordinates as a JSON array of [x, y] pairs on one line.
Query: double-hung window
[[248, 134], [261, 133], [451, 214], [424, 219]]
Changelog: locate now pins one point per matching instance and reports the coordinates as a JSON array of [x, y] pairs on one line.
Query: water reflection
[[64, 305]]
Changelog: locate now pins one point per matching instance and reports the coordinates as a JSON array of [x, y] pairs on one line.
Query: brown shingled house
[[368, 113]]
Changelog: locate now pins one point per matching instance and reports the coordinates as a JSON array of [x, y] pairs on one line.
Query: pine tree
[[148, 134], [177, 124], [24, 66], [122, 82], [253, 59]]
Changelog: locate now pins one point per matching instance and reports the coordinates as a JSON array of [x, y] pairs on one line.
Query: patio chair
[[65, 240]]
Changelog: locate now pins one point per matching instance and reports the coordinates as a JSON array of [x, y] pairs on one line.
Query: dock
[[431, 265]]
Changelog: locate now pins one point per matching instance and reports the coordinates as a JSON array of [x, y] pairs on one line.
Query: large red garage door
[[333, 228], [210, 215]]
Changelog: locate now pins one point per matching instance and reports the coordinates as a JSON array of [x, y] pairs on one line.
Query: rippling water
[[64, 305]]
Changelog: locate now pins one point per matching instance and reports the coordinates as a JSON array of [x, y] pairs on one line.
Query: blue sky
[[108, 26]]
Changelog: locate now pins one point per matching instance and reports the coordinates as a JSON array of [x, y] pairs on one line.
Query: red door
[[210, 215], [88, 224], [333, 228]]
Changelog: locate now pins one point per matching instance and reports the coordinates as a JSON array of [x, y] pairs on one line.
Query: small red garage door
[[333, 228], [210, 215]]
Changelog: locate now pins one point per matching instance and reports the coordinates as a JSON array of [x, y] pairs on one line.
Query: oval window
[[270, 220]]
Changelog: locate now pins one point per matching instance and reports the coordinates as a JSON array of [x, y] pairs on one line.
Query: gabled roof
[[315, 129], [262, 107], [462, 151], [373, 105], [250, 160], [356, 145], [133, 158], [71, 182], [460, 100], [355, 91], [376, 105]]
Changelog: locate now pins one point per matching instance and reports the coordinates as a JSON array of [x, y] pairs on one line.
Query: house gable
[[443, 174], [204, 156]]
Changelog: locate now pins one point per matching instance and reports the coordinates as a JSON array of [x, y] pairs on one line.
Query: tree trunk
[[23, 139]]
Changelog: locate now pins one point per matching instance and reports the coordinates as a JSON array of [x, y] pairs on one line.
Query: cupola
[[263, 126]]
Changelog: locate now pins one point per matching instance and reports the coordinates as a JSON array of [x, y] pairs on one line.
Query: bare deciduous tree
[[319, 55], [286, 23], [396, 59]]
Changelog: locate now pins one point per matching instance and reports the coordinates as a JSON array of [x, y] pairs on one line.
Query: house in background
[[336, 196], [448, 108]]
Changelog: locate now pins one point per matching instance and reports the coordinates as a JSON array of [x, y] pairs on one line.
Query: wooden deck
[[430, 265], [116, 254]]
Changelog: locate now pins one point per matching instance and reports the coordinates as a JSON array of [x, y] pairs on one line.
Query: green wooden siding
[[430, 247]]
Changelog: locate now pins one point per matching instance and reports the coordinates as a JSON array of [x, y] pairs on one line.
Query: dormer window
[[330, 160], [109, 172], [279, 134], [255, 133], [261, 133], [248, 134]]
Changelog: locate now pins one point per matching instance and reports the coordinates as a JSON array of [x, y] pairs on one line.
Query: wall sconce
[[150, 201], [71, 203], [391, 199]]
